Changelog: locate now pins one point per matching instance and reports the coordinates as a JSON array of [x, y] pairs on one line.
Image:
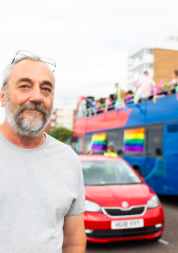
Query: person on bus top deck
[[174, 80], [110, 150], [144, 86]]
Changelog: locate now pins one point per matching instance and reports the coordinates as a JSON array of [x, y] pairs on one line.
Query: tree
[[61, 134]]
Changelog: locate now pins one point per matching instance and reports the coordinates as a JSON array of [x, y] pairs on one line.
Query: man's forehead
[[32, 69]]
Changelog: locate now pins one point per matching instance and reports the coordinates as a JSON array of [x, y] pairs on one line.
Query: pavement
[[167, 244]]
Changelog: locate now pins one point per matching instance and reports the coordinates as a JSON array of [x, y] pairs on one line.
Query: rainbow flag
[[134, 140], [99, 142]]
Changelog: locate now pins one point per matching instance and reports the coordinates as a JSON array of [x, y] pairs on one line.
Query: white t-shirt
[[174, 81], [38, 188], [145, 84]]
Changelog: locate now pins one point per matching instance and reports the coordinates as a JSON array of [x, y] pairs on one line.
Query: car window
[[108, 173]]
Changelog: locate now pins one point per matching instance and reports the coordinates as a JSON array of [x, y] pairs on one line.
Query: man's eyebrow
[[48, 83], [25, 79]]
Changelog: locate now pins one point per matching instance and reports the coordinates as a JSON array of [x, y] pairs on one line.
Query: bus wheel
[[138, 170]]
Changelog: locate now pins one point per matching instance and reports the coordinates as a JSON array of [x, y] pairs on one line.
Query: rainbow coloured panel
[[99, 142], [134, 140]]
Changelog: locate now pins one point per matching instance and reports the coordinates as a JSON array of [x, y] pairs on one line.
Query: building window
[[53, 124], [148, 51], [148, 65], [68, 116], [130, 62], [70, 125], [53, 116], [130, 75]]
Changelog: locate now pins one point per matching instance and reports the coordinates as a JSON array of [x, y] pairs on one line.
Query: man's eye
[[24, 86], [46, 89]]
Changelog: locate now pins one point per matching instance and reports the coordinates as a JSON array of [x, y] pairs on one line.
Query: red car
[[119, 205]]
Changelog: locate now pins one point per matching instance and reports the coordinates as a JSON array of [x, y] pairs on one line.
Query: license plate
[[122, 224]]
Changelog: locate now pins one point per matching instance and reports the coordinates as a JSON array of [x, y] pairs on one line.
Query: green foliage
[[61, 134]]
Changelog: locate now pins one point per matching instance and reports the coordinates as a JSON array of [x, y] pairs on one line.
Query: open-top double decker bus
[[145, 135]]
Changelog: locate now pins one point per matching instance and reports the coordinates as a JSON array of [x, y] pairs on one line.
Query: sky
[[88, 39]]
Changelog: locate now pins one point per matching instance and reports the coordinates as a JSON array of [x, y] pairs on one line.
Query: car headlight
[[153, 202], [92, 206]]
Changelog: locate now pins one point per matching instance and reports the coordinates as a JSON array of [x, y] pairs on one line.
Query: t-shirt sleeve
[[78, 204], [174, 81]]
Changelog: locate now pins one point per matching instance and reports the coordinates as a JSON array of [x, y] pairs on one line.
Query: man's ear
[[2, 97]]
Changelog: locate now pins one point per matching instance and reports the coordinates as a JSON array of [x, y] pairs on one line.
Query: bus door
[[170, 158]]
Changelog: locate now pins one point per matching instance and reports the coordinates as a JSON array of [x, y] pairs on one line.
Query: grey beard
[[27, 127]]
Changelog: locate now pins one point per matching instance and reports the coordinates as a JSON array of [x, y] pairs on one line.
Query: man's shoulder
[[61, 148]]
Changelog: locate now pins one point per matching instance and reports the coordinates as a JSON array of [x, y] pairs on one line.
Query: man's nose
[[36, 95]]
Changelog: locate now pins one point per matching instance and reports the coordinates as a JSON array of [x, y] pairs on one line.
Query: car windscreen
[[108, 173]]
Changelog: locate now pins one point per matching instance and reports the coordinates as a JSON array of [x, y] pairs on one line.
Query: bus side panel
[[151, 168], [137, 115], [107, 121], [164, 109], [80, 126], [170, 153]]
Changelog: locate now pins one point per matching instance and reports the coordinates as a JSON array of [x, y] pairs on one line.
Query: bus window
[[116, 137], [78, 145], [170, 139], [134, 141], [87, 143], [154, 140], [98, 146]]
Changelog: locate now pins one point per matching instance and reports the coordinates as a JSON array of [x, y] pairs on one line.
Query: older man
[[41, 182]]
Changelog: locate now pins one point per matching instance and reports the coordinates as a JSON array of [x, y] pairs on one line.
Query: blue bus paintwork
[[148, 112], [160, 173]]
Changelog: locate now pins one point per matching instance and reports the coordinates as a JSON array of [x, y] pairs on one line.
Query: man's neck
[[20, 141]]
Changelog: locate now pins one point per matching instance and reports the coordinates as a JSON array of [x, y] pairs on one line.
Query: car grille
[[123, 233], [113, 212]]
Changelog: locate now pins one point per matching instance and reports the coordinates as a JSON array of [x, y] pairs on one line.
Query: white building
[[63, 113], [142, 58]]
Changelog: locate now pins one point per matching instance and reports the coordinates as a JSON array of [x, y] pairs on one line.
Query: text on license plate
[[121, 224]]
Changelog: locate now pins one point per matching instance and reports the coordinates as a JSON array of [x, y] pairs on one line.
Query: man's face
[[29, 97], [110, 149]]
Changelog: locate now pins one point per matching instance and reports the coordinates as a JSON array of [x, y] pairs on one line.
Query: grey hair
[[8, 69]]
